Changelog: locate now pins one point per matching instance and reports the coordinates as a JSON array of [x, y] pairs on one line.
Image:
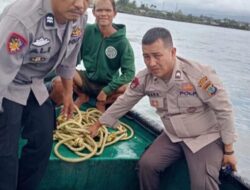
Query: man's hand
[[68, 103], [93, 130], [101, 101], [229, 157], [230, 160], [68, 106], [102, 97]]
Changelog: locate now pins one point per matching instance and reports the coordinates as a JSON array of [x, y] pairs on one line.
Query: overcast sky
[[229, 6]]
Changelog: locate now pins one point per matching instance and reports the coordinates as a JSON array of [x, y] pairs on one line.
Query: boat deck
[[115, 169]]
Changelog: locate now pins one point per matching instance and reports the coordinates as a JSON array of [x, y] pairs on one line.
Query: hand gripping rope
[[75, 136]]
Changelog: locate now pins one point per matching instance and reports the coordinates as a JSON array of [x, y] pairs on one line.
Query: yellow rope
[[75, 136]]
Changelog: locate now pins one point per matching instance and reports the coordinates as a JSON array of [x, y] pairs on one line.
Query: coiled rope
[[75, 136]]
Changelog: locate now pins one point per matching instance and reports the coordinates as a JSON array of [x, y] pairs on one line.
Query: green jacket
[[108, 61]]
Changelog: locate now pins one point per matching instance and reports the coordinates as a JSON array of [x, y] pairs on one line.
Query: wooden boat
[[115, 169]]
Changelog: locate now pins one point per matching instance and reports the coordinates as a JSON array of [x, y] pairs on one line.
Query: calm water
[[227, 50]]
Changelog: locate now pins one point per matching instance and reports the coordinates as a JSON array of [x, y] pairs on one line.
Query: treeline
[[151, 11]]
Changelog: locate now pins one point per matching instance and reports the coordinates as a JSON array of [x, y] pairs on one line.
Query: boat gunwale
[[155, 129]]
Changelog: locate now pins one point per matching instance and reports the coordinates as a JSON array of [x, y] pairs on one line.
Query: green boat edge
[[115, 169]]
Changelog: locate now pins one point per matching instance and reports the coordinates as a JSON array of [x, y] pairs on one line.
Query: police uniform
[[32, 45], [198, 120]]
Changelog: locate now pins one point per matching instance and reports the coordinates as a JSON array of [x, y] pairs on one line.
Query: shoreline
[[180, 17]]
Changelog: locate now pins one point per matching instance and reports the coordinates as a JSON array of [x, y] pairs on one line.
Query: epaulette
[[192, 68], [201, 76]]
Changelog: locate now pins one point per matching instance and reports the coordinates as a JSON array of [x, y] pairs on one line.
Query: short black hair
[[156, 33], [111, 1]]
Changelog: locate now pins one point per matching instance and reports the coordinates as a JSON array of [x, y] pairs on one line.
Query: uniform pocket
[[213, 175], [193, 125], [189, 101]]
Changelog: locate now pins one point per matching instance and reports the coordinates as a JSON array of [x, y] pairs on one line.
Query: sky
[[234, 9], [231, 8]]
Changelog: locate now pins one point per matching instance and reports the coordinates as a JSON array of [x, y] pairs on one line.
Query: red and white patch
[[134, 83], [154, 103], [16, 43]]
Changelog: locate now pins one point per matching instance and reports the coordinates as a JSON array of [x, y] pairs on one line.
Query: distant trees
[[151, 11], [122, 2], [126, 5]]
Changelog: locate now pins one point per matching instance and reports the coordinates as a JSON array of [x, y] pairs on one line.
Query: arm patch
[[16, 43]]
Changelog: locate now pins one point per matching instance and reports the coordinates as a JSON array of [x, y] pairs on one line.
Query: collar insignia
[[177, 74], [50, 20]]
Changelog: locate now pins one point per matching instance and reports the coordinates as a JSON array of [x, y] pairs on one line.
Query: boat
[[115, 168]]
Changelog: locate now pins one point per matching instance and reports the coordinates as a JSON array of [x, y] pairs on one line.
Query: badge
[[207, 85], [211, 90], [134, 83], [187, 87], [16, 43], [154, 103], [202, 81], [178, 74], [37, 59], [40, 50], [153, 94], [111, 52], [41, 42], [77, 32], [50, 20], [75, 35]]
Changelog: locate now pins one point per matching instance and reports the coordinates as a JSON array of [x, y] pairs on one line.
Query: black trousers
[[35, 123]]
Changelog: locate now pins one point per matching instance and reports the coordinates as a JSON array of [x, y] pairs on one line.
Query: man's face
[[69, 10], [104, 13], [159, 59]]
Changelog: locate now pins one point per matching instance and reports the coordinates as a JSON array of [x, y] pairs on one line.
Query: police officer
[[193, 107], [36, 38]]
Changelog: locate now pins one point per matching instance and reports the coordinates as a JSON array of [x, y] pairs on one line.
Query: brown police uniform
[[198, 119]]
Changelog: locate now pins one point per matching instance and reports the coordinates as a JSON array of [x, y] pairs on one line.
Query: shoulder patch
[[135, 82], [207, 85], [16, 43]]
